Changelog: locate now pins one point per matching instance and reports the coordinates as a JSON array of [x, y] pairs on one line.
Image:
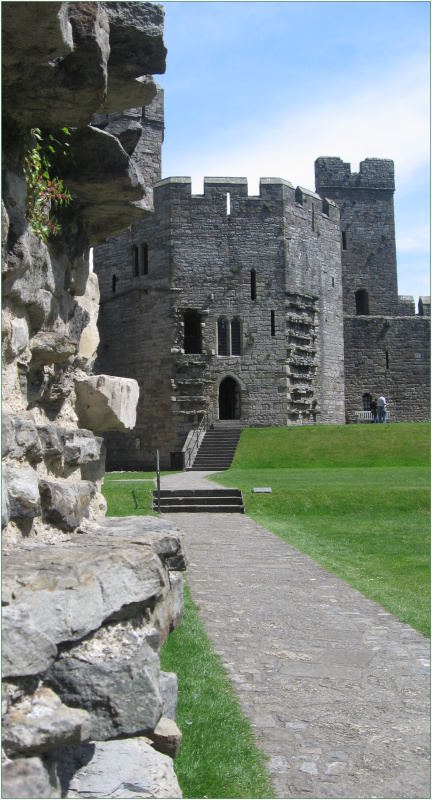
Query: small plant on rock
[[44, 192]]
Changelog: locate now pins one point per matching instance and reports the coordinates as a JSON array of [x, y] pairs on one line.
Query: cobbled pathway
[[336, 689]]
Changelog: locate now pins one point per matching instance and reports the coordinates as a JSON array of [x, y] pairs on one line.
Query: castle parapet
[[276, 190], [374, 173]]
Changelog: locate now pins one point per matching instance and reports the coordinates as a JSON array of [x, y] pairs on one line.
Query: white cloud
[[387, 120], [414, 240]]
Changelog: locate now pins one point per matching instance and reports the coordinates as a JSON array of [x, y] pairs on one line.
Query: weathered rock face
[[87, 601]]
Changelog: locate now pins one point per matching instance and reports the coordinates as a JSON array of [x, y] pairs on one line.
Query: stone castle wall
[[201, 257], [368, 241], [389, 356]]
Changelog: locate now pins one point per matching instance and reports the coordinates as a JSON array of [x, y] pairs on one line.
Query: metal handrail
[[194, 442]]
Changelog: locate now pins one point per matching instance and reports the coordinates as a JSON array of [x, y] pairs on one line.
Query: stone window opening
[[362, 302], [192, 332], [223, 343], [141, 259], [332, 283], [144, 258], [229, 337], [313, 217], [114, 283], [253, 284], [235, 337], [387, 360], [344, 241], [272, 323], [366, 401], [228, 204]]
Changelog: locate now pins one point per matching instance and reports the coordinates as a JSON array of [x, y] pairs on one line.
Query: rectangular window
[[222, 337], [272, 323], [235, 337], [228, 202], [144, 259], [344, 240], [253, 284], [387, 360]]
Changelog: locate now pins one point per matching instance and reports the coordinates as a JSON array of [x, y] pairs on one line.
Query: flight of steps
[[218, 447], [204, 501]]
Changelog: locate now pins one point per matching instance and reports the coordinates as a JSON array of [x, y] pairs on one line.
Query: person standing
[[382, 409], [373, 408]]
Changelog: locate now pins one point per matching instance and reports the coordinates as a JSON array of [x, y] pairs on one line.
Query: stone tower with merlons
[[271, 309]]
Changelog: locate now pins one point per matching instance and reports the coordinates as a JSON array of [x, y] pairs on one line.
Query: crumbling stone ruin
[[87, 600], [274, 309]]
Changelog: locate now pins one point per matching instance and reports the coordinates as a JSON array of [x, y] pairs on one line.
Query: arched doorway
[[229, 399]]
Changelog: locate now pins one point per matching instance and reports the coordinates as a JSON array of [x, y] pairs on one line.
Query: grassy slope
[[354, 498]]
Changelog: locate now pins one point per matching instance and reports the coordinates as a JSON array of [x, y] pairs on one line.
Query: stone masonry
[[387, 347], [271, 310]]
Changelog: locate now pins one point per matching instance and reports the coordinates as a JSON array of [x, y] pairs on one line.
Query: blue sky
[[261, 89]]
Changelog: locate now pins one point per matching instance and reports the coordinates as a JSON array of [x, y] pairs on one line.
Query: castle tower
[[365, 200]]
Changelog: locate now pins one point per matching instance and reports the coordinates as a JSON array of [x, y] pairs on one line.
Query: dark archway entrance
[[229, 399]]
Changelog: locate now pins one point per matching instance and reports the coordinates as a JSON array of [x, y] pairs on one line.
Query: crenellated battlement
[[374, 173], [270, 189]]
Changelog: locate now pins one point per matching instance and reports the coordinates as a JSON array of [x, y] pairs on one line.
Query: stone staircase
[[218, 447], [199, 501]]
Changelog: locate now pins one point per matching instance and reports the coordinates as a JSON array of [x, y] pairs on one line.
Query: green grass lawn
[[129, 493], [126, 498], [356, 498], [218, 757]]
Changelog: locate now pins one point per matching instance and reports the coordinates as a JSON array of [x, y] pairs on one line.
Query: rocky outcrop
[[88, 601]]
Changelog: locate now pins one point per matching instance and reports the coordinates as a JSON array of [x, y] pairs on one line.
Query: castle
[[274, 309]]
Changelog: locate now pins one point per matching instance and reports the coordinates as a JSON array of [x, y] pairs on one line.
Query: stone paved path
[[336, 689]]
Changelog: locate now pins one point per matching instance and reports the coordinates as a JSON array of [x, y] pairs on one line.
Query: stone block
[[5, 502], [23, 492], [60, 593], [118, 686], [41, 722], [20, 438], [26, 778], [19, 338], [125, 768], [65, 504], [26, 650], [166, 737], [169, 691], [105, 403]]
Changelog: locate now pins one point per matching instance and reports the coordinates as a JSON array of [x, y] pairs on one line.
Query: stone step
[[217, 448], [205, 509], [205, 501], [222, 493]]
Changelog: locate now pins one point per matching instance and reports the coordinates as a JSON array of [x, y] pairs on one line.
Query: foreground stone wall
[[87, 601]]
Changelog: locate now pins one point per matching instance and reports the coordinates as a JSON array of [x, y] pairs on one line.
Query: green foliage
[[218, 756], [354, 498], [44, 192]]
